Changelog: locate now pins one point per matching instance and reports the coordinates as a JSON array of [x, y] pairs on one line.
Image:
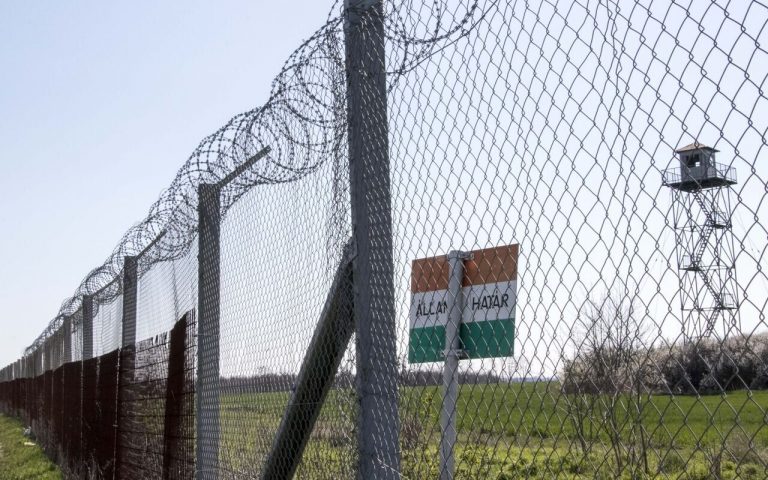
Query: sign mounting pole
[[453, 353]]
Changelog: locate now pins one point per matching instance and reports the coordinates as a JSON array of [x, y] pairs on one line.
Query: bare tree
[[610, 374]]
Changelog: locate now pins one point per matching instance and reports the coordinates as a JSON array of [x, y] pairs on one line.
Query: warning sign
[[489, 297]]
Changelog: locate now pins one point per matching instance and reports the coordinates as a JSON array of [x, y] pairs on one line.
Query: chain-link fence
[[462, 239]]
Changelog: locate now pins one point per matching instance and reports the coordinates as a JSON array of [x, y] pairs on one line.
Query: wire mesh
[[548, 125], [166, 291], [273, 290], [508, 171], [107, 326]]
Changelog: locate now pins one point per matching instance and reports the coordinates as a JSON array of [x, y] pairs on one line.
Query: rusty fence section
[[116, 415]]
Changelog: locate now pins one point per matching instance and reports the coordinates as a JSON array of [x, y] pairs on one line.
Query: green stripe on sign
[[493, 338], [427, 344]]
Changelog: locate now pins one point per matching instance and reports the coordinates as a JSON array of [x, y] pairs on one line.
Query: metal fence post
[[126, 350], [86, 334], [375, 327], [130, 284], [54, 348], [87, 327], [66, 330], [46, 354], [207, 394], [453, 353], [60, 343]]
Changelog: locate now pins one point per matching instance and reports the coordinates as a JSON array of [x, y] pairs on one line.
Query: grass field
[[18, 459], [526, 431], [506, 431], [540, 410]]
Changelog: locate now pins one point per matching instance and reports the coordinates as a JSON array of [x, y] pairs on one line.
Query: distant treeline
[[284, 382], [266, 382]]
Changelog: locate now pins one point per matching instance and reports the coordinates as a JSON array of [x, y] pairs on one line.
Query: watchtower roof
[[695, 146]]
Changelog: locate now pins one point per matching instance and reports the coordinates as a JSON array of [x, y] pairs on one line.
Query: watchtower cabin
[[698, 170]]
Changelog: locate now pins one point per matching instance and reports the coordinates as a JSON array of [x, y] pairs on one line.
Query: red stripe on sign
[[429, 274], [490, 265]]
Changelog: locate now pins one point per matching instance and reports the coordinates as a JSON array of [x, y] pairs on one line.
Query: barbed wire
[[303, 122]]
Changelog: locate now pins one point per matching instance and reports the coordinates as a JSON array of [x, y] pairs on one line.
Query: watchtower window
[[694, 160]]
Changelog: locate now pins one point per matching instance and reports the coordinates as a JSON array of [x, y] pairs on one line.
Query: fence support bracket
[[316, 376]]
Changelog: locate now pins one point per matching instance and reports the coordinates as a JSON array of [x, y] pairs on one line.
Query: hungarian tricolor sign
[[489, 289]]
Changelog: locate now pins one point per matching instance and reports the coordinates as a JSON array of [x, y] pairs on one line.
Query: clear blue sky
[[100, 104]]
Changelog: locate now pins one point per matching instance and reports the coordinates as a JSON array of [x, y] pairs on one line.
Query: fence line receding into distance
[[460, 239]]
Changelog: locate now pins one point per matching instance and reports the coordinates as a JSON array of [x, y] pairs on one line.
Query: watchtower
[[701, 207]]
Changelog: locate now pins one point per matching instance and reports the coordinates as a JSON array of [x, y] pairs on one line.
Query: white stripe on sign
[[490, 301], [429, 309]]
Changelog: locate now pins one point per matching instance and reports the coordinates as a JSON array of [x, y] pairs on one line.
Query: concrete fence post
[[375, 327], [207, 392], [126, 351], [46, 354], [130, 284], [87, 327], [67, 340]]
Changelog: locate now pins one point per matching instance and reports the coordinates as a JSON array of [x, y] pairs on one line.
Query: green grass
[[525, 431], [540, 410], [18, 459], [506, 431]]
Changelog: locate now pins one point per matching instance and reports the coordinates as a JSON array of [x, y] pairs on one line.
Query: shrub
[[705, 366]]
